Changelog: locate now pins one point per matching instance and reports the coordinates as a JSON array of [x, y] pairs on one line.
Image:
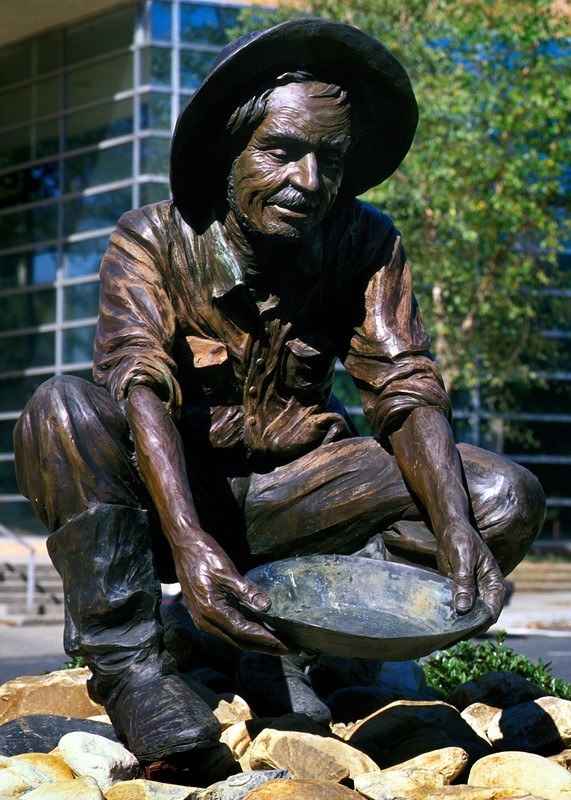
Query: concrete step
[[542, 576], [48, 605]]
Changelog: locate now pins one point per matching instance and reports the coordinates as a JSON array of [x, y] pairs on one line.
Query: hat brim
[[384, 109]]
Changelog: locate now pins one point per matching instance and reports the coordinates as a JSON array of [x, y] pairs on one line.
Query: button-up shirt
[[255, 370]]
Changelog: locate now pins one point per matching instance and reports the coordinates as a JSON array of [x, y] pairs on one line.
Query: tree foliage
[[481, 198]]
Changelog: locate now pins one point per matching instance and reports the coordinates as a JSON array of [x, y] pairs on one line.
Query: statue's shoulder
[[152, 221], [371, 221], [361, 232]]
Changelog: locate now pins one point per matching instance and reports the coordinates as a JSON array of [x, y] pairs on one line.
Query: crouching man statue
[[210, 441]]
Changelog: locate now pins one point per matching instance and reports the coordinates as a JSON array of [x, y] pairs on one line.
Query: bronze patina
[[210, 442]]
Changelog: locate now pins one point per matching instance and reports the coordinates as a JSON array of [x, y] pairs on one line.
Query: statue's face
[[286, 179]]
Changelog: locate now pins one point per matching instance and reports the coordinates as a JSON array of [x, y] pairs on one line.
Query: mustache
[[293, 198]]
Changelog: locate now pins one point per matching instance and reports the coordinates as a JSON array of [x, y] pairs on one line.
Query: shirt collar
[[225, 269]]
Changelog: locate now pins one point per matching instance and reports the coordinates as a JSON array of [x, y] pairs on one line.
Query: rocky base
[[495, 737]]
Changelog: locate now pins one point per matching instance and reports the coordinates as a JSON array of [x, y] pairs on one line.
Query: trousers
[[73, 450]]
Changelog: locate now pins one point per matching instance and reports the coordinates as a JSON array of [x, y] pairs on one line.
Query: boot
[[112, 597], [278, 685]]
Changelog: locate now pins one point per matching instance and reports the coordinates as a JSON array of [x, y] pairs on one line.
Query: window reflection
[[206, 24], [81, 300], [26, 227], [194, 66], [156, 111], [156, 66], [98, 36], [84, 258], [28, 309], [98, 81], [155, 156], [27, 269], [153, 192], [78, 344], [31, 350], [99, 166], [96, 211], [161, 20], [27, 185], [98, 124]]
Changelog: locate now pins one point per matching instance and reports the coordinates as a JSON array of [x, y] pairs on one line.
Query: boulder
[[50, 763], [526, 772], [302, 790], [18, 777], [405, 729], [563, 759], [449, 762], [63, 693], [95, 757], [78, 789], [500, 689], [231, 708], [306, 755], [479, 716], [238, 786], [398, 783], [40, 733], [538, 725], [140, 789]]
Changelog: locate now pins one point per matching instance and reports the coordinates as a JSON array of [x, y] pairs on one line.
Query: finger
[[229, 623], [463, 593], [493, 591], [249, 594]]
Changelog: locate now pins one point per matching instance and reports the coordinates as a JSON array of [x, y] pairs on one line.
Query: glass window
[[98, 36], [78, 344], [47, 97], [96, 211], [152, 192], [81, 300], [99, 166], [28, 185], [19, 517], [98, 124], [6, 434], [99, 81], [28, 309], [15, 63], [45, 139], [161, 13], [206, 24], [15, 144], [8, 483], [156, 111], [31, 350], [84, 258], [156, 66], [194, 66], [26, 269], [15, 392], [15, 106], [49, 52], [155, 156], [27, 227]]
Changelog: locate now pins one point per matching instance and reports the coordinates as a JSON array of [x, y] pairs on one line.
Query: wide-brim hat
[[384, 109]]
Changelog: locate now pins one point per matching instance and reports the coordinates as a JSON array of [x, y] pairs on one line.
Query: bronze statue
[[211, 441]]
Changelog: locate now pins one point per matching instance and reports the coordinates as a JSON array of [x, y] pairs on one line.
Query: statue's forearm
[[161, 462], [428, 459]]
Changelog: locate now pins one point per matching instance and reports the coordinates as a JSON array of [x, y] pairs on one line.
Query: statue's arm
[[430, 463], [207, 576]]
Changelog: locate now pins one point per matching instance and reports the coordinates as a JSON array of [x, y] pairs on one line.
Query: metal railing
[[31, 585]]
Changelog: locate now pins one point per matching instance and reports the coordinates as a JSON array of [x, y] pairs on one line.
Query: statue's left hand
[[464, 557], [210, 582]]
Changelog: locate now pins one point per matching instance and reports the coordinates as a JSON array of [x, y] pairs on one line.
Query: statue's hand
[[465, 558], [209, 582]]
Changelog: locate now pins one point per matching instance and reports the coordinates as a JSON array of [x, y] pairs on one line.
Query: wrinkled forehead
[[311, 104]]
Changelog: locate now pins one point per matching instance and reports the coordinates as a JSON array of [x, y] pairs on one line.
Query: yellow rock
[[527, 772], [78, 789], [447, 761], [18, 777], [62, 693], [147, 790], [50, 763]]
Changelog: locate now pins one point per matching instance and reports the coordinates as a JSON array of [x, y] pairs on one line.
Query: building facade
[[86, 114]]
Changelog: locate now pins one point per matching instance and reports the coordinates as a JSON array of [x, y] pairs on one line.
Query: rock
[[231, 709], [18, 777], [95, 757], [306, 755], [500, 689], [50, 763], [40, 733], [532, 726], [405, 677], [302, 790], [563, 759], [398, 783], [330, 673], [479, 716], [63, 693], [238, 738], [449, 762], [78, 789], [237, 786], [405, 729], [526, 772], [357, 702], [140, 789]]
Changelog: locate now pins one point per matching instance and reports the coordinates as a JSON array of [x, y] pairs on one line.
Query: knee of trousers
[[72, 449], [516, 513]]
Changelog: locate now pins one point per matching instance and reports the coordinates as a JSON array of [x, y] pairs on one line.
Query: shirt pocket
[[309, 365], [210, 364]]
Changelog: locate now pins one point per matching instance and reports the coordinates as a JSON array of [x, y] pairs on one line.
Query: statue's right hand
[[211, 584]]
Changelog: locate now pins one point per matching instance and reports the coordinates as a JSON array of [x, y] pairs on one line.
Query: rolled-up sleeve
[[388, 356], [136, 324]]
